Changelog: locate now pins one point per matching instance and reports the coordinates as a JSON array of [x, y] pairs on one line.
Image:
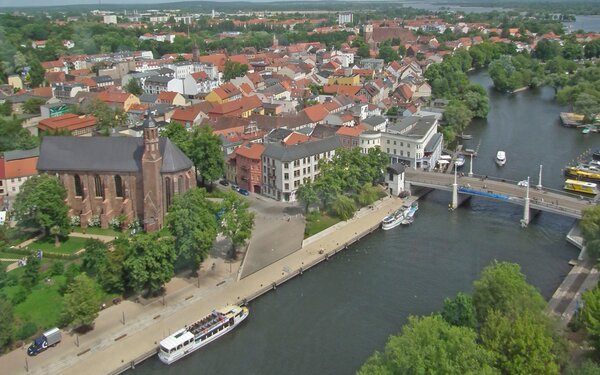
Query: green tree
[[460, 311], [237, 220], [547, 49], [367, 194], [363, 51], [14, 137], [476, 99], [572, 50], [103, 113], [94, 256], [307, 194], [503, 288], [81, 302], [41, 202], [32, 106], [521, 344], [387, 53], [56, 231], [233, 69], [587, 368], [6, 108], [192, 223], [7, 323], [458, 116], [590, 225], [587, 105], [111, 275], [343, 207], [31, 273], [429, 345], [177, 133], [133, 87], [591, 315], [205, 152], [36, 73], [149, 262]]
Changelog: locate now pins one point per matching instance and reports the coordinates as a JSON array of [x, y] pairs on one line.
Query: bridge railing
[[533, 201], [533, 186]]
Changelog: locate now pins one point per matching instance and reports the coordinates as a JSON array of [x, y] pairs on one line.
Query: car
[[234, 187], [224, 182], [523, 183], [243, 191]]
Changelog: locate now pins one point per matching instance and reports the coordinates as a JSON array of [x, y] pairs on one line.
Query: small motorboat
[[460, 161], [501, 158], [596, 155]]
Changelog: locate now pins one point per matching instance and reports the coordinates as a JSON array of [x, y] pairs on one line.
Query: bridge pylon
[[454, 203], [526, 213]]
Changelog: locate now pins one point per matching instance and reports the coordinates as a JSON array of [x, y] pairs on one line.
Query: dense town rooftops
[[290, 153]]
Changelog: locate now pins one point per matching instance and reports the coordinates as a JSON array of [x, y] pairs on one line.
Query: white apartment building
[[344, 18], [182, 69], [286, 168], [413, 141]]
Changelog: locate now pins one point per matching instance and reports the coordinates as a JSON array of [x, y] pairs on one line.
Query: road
[[546, 200]]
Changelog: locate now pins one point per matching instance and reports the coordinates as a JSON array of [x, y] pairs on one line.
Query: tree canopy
[[205, 152], [41, 203], [590, 225], [7, 320], [192, 223], [233, 69], [237, 220], [94, 257], [149, 262], [81, 302], [429, 345]]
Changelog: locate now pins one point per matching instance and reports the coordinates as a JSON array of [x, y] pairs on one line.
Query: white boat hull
[[500, 162], [173, 357]]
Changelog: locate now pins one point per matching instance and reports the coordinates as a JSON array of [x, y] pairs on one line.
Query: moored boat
[[583, 172], [201, 333], [596, 155], [460, 161], [581, 187], [410, 215], [501, 158], [393, 220]]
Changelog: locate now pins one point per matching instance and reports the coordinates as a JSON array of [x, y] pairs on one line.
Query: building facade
[[248, 163], [16, 167], [109, 177], [286, 168]]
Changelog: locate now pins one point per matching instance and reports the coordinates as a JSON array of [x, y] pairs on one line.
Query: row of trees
[[581, 90], [449, 80], [500, 328], [513, 72], [348, 174]]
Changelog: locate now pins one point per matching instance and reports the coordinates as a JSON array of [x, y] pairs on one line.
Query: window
[[78, 186], [388, 150], [395, 151], [402, 144], [180, 184], [168, 191], [286, 186], [286, 165], [388, 141], [98, 186], [296, 183], [408, 154], [118, 186], [394, 143], [286, 176]]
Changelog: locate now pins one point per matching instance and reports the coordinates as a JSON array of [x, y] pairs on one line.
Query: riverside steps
[[116, 344]]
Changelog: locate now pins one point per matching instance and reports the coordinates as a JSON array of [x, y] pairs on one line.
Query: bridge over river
[[533, 199]]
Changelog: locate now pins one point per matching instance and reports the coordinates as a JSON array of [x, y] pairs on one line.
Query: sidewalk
[[100, 237], [113, 345]]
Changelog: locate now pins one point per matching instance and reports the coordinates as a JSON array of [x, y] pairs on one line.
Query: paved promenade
[[113, 344]]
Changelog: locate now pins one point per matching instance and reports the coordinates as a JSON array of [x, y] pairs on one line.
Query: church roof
[[105, 154]]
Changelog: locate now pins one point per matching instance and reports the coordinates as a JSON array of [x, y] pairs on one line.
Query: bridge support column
[[454, 203], [526, 213]]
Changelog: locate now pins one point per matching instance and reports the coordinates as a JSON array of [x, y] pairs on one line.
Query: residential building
[[16, 167], [74, 124], [248, 164], [413, 141], [227, 92], [394, 178], [344, 18], [106, 177], [110, 19], [285, 168]]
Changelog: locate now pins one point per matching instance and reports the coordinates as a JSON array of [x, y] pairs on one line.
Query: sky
[[12, 3]]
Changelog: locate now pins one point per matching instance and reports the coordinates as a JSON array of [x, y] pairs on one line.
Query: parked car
[[523, 183], [43, 342], [243, 191], [224, 182]]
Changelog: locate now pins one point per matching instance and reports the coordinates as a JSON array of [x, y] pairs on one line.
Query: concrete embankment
[[120, 345]]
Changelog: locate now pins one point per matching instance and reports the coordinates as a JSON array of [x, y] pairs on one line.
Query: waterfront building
[[286, 167], [106, 177], [394, 178]]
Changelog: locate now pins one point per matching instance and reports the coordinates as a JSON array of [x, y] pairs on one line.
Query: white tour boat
[[501, 158], [393, 220], [200, 333]]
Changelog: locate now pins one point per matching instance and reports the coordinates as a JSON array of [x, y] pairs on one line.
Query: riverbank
[[121, 341]]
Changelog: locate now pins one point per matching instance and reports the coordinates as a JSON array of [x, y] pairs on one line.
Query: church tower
[[195, 53], [151, 178]]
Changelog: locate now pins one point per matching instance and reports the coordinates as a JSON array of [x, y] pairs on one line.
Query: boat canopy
[[178, 338], [443, 162]]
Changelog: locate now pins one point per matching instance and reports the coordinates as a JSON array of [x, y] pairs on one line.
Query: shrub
[[19, 296], [343, 207], [27, 330], [58, 268], [94, 221], [75, 221]]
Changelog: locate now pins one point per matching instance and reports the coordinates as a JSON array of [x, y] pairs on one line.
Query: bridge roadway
[[549, 200]]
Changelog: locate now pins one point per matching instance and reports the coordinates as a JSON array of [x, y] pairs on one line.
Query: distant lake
[[434, 7], [587, 23]]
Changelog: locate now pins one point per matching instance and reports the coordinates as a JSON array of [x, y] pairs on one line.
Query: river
[[334, 316], [586, 23]]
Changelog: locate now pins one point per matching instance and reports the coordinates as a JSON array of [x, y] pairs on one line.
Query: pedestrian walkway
[[101, 237], [114, 342]]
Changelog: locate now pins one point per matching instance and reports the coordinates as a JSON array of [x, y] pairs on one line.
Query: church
[[111, 177]]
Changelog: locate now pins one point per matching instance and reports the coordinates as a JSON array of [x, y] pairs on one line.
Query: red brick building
[[76, 125], [248, 163], [106, 177]]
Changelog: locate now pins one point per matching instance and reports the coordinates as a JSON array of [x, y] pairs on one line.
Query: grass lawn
[[317, 222], [43, 305], [69, 246], [99, 231]]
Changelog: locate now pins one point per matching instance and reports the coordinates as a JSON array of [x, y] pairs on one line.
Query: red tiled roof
[[351, 131], [167, 96], [186, 114], [316, 112], [250, 150], [236, 107], [111, 96], [296, 138], [20, 167], [69, 121], [226, 90], [45, 92], [200, 76]]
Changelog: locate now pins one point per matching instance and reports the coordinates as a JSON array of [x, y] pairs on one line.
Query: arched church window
[[98, 186], [118, 186], [78, 186]]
